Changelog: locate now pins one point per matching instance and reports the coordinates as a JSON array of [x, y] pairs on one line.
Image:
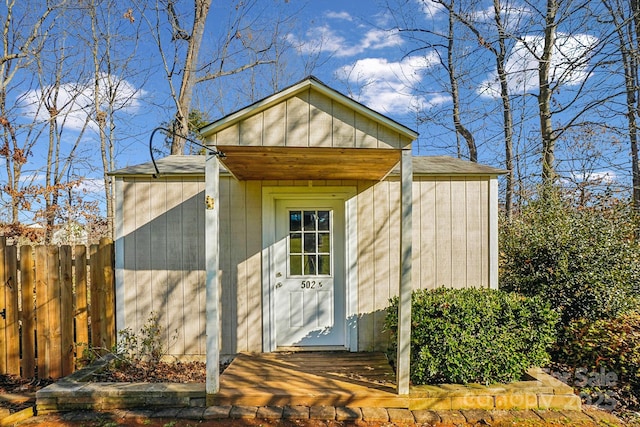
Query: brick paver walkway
[[368, 416]]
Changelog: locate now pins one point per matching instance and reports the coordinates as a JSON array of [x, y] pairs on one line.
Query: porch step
[[309, 379]]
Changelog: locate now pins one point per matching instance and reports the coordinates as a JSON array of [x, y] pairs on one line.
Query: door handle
[[278, 285]]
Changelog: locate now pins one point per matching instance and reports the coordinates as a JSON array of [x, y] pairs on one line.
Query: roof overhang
[[308, 163]]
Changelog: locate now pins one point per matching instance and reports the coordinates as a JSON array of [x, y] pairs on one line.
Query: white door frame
[[269, 197]]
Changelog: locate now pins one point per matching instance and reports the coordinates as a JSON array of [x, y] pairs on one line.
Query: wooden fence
[[56, 301]]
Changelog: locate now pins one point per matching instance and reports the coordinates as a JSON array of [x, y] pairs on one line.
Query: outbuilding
[[304, 217]]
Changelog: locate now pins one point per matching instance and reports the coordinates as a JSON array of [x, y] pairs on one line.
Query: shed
[[297, 238]]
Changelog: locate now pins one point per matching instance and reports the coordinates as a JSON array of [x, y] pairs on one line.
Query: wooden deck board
[[314, 378]]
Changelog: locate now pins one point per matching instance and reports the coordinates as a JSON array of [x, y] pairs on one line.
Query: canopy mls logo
[[596, 387]]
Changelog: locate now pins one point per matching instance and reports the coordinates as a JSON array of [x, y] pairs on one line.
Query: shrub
[[584, 260], [146, 347], [606, 347], [474, 335]]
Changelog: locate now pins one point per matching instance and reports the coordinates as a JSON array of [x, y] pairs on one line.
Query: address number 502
[[310, 284]]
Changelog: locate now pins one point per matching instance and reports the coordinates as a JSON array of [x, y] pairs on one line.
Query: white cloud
[[91, 185], [32, 177], [511, 16], [430, 8], [569, 63], [339, 15], [325, 39], [387, 86], [604, 177], [75, 100]]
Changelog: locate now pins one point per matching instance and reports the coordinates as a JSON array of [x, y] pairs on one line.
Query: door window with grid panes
[[309, 251]]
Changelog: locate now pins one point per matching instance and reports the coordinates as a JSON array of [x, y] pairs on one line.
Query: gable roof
[[177, 165], [293, 90]]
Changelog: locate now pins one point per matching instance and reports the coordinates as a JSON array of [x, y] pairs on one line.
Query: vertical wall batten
[[382, 257], [366, 273], [238, 250], [457, 212], [228, 297], [175, 298], [254, 264]]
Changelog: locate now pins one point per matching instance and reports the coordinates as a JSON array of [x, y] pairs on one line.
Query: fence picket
[[51, 304], [12, 325], [66, 310], [95, 300], [81, 311], [42, 314], [3, 306], [27, 318]]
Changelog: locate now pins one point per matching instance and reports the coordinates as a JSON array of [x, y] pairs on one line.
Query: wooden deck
[[309, 379]]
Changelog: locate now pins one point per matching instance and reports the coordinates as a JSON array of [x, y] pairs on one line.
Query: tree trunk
[[507, 115], [455, 93], [544, 96], [181, 120], [633, 94]]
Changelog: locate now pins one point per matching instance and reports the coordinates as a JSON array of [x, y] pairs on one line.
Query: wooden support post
[[212, 250], [108, 290], [493, 233], [404, 306]]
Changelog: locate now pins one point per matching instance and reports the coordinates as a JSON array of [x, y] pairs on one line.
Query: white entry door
[[309, 273]]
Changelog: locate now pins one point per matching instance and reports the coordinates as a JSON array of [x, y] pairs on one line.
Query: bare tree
[[453, 82], [110, 92], [544, 94], [57, 100], [570, 83], [497, 45], [25, 31], [246, 41], [444, 43], [625, 16]]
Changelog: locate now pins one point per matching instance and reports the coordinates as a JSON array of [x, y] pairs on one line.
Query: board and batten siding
[[309, 119], [451, 233], [161, 254], [161, 249]]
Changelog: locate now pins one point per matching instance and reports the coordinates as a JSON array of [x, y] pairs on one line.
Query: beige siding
[[367, 132], [320, 115], [310, 119], [450, 227], [452, 231], [163, 259], [274, 126], [164, 267], [240, 213]]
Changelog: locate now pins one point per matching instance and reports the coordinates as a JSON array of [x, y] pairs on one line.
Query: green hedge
[[474, 335], [584, 260], [610, 346]]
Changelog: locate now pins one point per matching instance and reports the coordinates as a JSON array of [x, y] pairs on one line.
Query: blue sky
[[353, 47]]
